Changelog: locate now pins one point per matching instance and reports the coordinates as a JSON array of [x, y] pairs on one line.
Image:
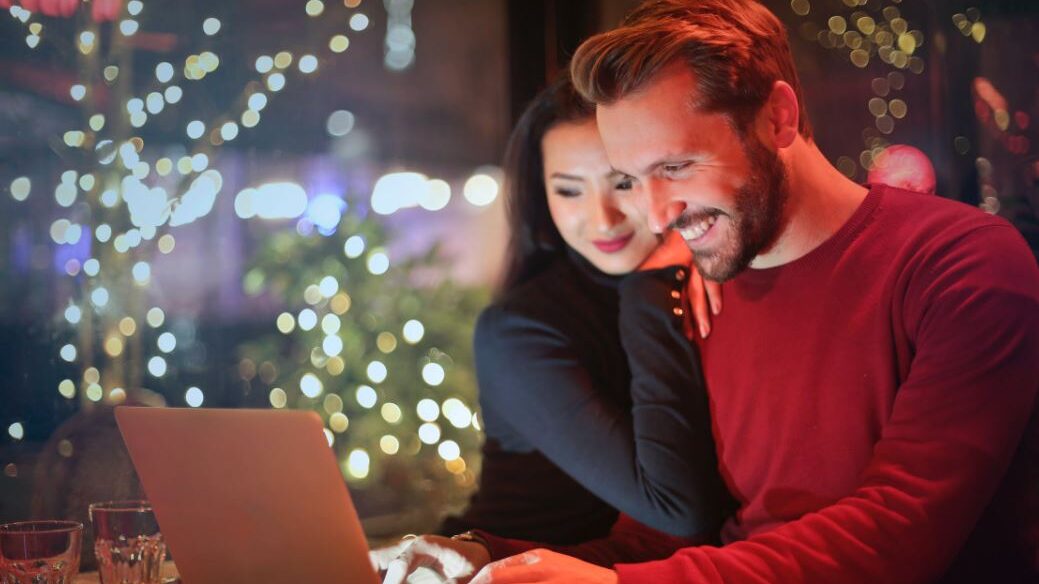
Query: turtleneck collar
[[594, 274]]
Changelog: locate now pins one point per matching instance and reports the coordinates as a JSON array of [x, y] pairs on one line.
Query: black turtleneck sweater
[[593, 403]]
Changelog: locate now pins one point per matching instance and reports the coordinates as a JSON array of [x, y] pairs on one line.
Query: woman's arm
[[655, 463]]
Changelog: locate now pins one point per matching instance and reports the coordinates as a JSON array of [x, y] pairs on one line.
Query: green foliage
[[414, 485]]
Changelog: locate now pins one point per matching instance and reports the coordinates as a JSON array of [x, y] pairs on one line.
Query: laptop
[[247, 496]]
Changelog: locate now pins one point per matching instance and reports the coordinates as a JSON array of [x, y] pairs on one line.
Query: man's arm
[[955, 425]]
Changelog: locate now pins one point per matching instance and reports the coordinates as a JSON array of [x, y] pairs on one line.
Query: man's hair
[[736, 49]]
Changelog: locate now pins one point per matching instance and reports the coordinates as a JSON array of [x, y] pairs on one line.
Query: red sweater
[[867, 401]]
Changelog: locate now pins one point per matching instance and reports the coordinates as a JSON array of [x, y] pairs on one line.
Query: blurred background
[[275, 204]]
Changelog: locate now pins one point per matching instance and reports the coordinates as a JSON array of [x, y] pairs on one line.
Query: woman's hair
[[534, 240]]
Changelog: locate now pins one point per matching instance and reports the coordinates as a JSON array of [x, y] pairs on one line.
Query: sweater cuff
[[659, 289], [501, 547]]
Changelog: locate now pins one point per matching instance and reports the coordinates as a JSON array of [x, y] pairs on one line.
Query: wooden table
[[169, 575]]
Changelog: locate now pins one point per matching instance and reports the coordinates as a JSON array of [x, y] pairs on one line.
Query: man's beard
[[757, 219]]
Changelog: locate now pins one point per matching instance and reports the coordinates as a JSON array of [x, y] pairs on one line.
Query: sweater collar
[[594, 274]]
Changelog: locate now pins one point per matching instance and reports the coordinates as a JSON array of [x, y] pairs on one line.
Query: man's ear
[[783, 114]]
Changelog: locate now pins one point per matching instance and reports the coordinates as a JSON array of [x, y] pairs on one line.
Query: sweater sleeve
[[656, 463], [973, 317]]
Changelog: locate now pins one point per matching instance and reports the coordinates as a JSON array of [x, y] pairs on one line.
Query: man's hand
[[453, 559], [546, 567]]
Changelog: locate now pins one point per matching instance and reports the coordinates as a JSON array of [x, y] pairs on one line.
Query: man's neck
[[821, 200]]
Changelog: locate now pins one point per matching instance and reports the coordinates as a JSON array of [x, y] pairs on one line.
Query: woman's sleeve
[[656, 463]]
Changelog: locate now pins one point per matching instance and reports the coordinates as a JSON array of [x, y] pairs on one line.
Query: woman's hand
[[701, 298], [455, 560]]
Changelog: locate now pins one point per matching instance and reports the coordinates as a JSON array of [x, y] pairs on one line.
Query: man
[[877, 363]]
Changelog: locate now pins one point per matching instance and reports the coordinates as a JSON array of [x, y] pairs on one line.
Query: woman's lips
[[613, 245]]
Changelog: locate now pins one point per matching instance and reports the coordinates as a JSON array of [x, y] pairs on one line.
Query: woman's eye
[[624, 185], [567, 192]]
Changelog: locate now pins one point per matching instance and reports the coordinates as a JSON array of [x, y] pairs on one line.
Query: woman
[[590, 391]]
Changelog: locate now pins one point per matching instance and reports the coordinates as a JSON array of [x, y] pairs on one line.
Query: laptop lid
[[247, 495]]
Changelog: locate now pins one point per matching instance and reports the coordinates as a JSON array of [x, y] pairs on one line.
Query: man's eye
[[624, 185], [675, 168]]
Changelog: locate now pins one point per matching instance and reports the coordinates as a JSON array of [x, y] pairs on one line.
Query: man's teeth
[[697, 230]]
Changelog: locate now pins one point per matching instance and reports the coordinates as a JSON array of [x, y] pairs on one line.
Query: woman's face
[[591, 205]]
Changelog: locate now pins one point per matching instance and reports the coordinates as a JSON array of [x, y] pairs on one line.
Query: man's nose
[[663, 207]]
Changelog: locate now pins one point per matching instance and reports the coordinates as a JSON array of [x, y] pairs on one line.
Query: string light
[[194, 397], [211, 26], [157, 366], [433, 374]]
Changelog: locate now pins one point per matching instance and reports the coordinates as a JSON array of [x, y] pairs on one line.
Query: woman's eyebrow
[[564, 175]]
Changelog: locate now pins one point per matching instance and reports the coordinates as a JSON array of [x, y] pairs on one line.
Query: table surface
[[169, 574]]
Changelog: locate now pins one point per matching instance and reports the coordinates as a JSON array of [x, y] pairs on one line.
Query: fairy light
[[359, 22], [429, 433], [68, 352], [377, 371], [427, 410], [389, 444], [366, 397], [264, 63], [314, 8], [194, 397], [211, 26], [257, 101], [391, 413], [142, 273], [338, 422], [275, 82], [16, 431], [278, 398], [332, 345], [307, 64], [449, 450], [328, 286], [433, 374], [99, 297], [310, 385], [338, 43], [386, 342], [331, 324], [157, 366], [353, 247], [358, 463], [378, 263], [307, 319], [166, 342], [173, 94]]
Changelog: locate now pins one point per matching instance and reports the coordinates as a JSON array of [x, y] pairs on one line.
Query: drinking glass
[[127, 542], [40, 552]]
